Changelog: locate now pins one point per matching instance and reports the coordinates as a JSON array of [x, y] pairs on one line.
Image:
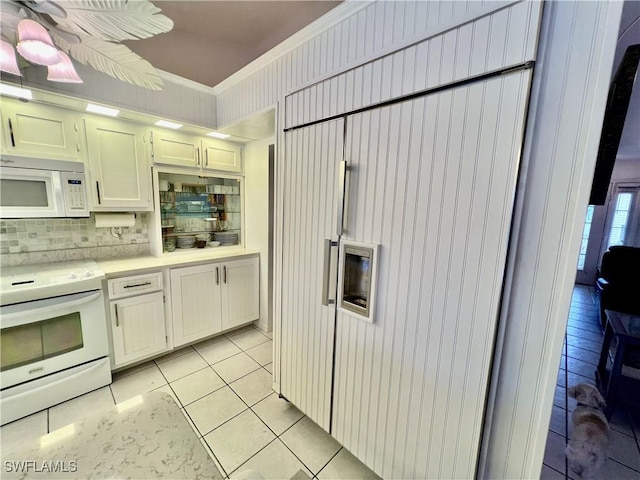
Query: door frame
[[570, 88]]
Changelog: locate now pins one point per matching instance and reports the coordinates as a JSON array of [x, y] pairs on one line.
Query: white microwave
[[42, 188]]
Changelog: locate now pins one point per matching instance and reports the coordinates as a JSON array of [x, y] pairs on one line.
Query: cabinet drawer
[[125, 286]]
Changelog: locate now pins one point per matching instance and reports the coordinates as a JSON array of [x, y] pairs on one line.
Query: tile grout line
[[217, 461]]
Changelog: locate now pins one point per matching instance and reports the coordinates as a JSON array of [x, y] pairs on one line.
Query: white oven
[[53, 336], [41, 188]]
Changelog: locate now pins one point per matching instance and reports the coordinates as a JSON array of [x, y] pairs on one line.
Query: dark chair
[[618, 287]]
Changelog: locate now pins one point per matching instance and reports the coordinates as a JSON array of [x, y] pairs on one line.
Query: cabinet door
[[440, 207], [40, 131], [195, 299], [310, 214], [138, 327], [118, 166], [218, 155], [240, 292], [173, 148]]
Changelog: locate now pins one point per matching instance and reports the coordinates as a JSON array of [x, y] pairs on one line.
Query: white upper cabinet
[[119, 170], [184, 150], [40, 131], [173, 148], [218, 155]]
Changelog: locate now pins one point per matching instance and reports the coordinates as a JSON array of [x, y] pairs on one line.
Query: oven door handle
[[22, 314]]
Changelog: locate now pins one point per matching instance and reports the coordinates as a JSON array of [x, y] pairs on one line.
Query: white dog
[[587, 449]]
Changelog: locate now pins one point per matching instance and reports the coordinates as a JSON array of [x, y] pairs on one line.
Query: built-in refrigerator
[[427, 186]]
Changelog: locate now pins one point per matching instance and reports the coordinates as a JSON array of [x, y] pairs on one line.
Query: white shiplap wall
[[377, 29], [503, 38], [432, 182], [569, 93], [179, 100]]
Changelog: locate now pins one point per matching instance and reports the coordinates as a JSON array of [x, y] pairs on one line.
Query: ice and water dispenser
[[357, 285]]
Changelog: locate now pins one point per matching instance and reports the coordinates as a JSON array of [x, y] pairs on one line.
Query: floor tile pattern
[[583, 341], [224, 388]]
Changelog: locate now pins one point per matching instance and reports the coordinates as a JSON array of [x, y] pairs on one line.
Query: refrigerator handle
[[327, 271], [342, 185]]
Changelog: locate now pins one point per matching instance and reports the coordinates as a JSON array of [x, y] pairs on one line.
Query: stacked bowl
[[186, 242]]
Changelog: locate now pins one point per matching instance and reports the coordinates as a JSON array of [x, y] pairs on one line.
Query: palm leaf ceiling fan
[[86, 30]]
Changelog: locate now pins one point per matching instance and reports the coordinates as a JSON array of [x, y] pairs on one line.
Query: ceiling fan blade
[[47, 7], [115, 60], [114, 20]]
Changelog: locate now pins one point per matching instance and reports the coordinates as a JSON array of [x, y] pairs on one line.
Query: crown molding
[[329, 19], [184, 82]]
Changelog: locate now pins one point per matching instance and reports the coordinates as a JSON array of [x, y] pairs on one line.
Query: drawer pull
[[137, 285]]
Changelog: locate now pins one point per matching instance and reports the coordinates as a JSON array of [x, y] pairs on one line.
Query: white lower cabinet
[[240, 292], [208, 299], [195, 302], [138, 328]]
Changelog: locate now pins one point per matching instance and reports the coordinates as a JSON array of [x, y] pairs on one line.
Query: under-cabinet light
[[12, 91], [111, 112], [164, 123], [218, 135]]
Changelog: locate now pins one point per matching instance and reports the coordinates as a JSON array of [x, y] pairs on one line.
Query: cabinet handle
[[206, 157], [224, 270], [198, 156], [98, 189], [217, 276], [117, 319], [327, 271], [13, 140], [342, 185], [137, 285]]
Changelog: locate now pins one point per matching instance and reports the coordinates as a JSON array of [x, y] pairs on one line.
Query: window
[[623, 221], [585, 237]]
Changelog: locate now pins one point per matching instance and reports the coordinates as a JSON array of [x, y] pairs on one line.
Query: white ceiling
[[211, 40]]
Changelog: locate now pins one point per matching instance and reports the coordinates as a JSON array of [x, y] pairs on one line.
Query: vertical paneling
[[573, 72], [309, 216], [373, 31], [432, 181], [504, 38]]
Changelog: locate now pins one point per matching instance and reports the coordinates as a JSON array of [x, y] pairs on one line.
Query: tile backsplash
[[25, 236]]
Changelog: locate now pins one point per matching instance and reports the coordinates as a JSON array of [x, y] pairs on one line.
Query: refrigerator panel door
[[310, 196], [432, 181]]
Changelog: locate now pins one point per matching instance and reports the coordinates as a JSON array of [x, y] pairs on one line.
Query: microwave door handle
[[58, 195]]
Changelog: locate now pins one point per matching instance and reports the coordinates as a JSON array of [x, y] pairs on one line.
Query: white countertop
[[117, 266], [144, 437]]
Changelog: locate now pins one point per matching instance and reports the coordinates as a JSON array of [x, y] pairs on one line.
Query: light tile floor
[[223, 387], [579, 361]]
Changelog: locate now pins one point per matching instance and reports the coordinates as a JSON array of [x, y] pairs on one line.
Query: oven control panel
[[34, 282]]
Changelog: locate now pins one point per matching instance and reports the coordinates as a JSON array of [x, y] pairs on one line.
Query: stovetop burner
[[33, 282]]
